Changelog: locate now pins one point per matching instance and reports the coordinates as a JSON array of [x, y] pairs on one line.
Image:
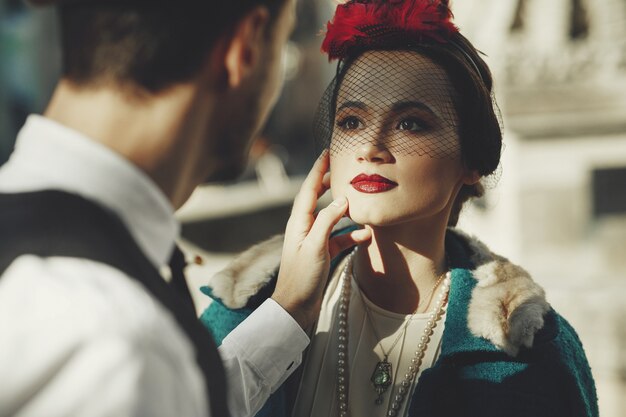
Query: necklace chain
[[408, 320], [382, 368]]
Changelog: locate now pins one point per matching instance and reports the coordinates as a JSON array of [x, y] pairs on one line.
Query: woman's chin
[[379, 219], [369, 219]]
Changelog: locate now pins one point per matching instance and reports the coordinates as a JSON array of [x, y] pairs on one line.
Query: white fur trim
[[507, 307], [248, 273]]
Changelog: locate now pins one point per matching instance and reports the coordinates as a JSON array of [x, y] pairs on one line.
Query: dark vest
[[55, 223]]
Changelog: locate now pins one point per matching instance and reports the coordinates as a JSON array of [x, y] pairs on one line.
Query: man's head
[[229, 51], [148, 44]]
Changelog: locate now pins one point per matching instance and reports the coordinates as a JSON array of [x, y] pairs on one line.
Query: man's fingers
[[325, 185], [342, 242], [312, 187], [326, 219]]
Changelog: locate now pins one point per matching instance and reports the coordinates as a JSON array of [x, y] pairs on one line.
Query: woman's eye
[[350, 123], [411, 125]]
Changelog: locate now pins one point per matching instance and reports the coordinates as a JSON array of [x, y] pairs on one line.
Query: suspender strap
[[178, 282], [55, 223]]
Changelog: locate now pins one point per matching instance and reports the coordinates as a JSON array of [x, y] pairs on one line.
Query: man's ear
[[244, 48]]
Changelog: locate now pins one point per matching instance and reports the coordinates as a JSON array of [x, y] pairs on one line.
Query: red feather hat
[[385, 23]]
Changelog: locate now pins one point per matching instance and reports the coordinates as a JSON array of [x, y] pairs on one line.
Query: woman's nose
[[374, 152]]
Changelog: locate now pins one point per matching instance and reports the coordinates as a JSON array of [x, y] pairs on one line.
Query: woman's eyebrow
[[352, 104], [405, 105], [396, 107]]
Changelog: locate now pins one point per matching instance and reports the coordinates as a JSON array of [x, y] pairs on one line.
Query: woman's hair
[[478, 128]]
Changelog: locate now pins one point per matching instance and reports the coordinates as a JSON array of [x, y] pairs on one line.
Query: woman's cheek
[[338, 190], [335, 184]]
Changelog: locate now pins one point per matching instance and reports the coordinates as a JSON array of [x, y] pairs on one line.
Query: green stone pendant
[[381, 378]]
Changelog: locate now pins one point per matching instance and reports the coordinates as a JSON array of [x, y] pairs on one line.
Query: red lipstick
[[371, 184]]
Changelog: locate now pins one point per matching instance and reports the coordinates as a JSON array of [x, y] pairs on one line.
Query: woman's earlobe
[[471, 177]]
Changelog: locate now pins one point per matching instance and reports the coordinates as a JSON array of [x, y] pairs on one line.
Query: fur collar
[[506, 307]]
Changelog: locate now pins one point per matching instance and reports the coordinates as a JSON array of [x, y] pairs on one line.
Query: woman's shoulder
[[501, 284], [249, 279], [238, 289], [237, 285], [503, 335], [505, 305], [500, 300]]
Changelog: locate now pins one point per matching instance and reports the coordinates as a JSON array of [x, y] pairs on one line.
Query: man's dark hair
[[146, 44]]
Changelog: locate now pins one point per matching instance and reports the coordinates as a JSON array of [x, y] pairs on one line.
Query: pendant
[[381, 378]]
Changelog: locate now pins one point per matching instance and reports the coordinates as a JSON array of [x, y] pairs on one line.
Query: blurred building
[[560, 205]]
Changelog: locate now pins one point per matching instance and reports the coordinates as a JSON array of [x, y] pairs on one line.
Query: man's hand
[[308, 249]]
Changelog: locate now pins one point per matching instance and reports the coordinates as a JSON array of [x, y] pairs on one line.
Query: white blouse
[[317, 392]]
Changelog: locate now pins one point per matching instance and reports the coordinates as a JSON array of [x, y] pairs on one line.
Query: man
[[155, 98]]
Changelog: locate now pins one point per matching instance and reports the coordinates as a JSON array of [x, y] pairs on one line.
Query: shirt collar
[[49, 155]]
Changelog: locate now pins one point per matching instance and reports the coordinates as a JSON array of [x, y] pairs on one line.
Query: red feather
[[360, 23]]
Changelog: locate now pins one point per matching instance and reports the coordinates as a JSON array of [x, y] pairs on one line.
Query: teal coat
[[501, 356]]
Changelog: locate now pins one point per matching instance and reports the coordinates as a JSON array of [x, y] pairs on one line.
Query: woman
[[422, 320]]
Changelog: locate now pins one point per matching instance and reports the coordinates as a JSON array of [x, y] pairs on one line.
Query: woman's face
[[395, 150]]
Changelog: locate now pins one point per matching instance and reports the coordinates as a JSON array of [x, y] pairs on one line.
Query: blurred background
[[558, 208]]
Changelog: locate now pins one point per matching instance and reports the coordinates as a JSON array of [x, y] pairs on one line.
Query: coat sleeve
[[219, 319]]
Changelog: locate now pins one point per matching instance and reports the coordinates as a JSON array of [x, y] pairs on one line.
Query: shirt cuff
[[271, 341]]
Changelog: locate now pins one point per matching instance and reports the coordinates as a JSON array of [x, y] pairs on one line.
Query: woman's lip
[[371, 184]]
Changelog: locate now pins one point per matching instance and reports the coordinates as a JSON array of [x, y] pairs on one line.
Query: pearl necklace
[[382, 373]]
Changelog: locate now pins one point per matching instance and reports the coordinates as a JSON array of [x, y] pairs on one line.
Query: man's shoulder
[[90, 297], [83, 330]]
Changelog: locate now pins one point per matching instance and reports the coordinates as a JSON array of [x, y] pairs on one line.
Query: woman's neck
[[399, 267]]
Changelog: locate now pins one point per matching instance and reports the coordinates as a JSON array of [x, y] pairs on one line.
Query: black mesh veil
[[408, 82], [397, 99]]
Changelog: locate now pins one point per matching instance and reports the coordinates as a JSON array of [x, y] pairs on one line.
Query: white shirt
[[317, 396], [80, 338]]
